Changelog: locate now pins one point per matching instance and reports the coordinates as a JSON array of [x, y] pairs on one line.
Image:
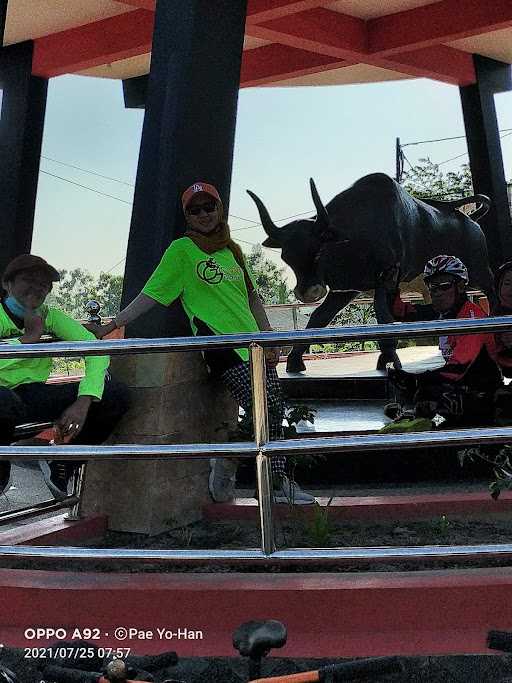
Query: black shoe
[[57, 476], [5, 475]]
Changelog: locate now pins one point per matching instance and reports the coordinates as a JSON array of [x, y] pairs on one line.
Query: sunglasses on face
[[195, 210], [440, 286]]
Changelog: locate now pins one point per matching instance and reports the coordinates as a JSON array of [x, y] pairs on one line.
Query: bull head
[[321, 223]]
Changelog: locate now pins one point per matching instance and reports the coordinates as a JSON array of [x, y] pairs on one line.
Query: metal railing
[[361, 300], [261, 448]]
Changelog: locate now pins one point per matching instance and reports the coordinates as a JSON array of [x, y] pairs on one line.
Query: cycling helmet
[[450, 265]]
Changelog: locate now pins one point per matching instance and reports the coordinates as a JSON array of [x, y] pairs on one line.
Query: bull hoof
[[295, 364]]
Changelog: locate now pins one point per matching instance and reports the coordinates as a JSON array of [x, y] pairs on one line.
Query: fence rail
[[232, 341], [261, 447]]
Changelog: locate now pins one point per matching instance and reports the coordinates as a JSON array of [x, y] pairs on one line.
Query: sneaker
[[5, 475], [288, 491], [56, 476], [222, 479]]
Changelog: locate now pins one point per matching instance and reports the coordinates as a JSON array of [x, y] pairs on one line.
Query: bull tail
[[483, 205]]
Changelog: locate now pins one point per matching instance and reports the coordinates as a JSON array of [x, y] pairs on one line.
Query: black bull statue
[[374, 227]]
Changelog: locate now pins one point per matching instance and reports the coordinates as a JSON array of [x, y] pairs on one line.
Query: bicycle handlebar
[[339, 672]]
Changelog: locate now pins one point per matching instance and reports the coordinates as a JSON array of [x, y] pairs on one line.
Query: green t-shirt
[[211, 287], [16, 371]]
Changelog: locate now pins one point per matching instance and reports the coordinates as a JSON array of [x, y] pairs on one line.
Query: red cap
[[29, 262], [195, 189]]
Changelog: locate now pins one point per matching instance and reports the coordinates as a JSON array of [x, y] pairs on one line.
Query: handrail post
[[78, 484], [294, 316], [261, 436]]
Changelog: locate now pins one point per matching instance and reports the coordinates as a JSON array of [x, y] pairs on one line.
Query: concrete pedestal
[[173, 401]]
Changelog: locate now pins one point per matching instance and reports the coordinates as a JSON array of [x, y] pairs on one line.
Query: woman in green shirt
[[206, 270]]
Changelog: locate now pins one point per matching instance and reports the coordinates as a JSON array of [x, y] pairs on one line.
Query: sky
[[284, 136]]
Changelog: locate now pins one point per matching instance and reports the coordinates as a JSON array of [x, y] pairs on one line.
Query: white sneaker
[[290, 492], [221, 482]]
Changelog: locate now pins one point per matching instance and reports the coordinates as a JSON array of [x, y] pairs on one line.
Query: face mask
[[15, 307]]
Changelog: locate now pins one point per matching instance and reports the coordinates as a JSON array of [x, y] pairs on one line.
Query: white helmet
[[446, 264]]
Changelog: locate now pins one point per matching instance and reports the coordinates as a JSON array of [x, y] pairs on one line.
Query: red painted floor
[[326, 614], [375, 507]]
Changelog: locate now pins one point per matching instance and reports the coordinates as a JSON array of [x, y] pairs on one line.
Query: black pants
[[238, 381], [461, 404], [46, 402]]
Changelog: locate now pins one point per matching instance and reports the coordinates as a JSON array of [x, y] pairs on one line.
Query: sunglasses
[[207, 208], [440, 286]]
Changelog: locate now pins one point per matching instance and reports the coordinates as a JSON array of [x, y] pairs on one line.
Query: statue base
[[173, 401]]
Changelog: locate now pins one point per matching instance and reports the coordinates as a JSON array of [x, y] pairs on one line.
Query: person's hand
[[34, 327], [100, 331], [272, 356], [71, 422]]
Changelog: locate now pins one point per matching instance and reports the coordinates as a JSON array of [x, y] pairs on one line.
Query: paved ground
[[26, 487], [414, 359]]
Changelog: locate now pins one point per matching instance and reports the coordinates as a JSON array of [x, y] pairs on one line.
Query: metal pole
[[78, 484], [294, 315], [37, 509], [261, 436]]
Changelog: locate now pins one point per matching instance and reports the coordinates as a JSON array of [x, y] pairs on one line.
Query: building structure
[[185, 62]]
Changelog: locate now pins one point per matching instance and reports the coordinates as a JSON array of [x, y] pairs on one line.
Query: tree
[[269, 279], [353, 314], [426, 180], [107, 291], [77, 287]]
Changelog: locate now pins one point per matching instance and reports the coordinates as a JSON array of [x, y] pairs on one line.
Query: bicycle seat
[[255, 639]]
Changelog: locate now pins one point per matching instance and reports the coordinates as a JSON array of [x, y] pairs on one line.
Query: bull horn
[[268, 225], [322, 217]]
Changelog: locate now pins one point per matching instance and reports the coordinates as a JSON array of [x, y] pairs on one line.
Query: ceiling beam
[[433, 24], [440, 63], [318, 30], [266, 10], [272, 63], [344, 37], [96, 44]]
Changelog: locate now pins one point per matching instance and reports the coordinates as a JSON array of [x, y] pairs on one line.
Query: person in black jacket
[[503, 340], [462, 390]]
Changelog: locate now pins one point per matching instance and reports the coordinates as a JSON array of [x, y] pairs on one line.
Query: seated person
[[84, 413], [503, 398], [503, 284], [206, 270], [461, 391]]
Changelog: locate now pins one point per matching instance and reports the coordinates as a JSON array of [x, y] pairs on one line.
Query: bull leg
[[321, 317], [384, 315]]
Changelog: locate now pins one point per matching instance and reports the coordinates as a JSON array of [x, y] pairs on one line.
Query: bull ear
[[322, 217], [272, 243], [268, 225]]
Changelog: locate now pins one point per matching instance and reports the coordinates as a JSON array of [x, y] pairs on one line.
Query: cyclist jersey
[[459, 351]]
